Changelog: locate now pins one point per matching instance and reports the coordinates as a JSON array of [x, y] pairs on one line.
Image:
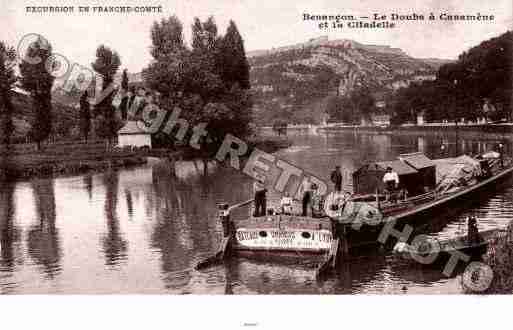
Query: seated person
[[286, 204], [391, 181]]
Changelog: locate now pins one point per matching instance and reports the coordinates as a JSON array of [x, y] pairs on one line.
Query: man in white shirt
[[391, 181], [286, 204]]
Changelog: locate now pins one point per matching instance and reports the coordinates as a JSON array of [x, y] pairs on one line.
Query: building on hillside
[[131, 135]]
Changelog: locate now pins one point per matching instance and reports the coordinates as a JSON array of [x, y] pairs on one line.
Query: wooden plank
[[324, 267], [235, 206], [334, 252], [219, 256], [330, 261], [222, 253]]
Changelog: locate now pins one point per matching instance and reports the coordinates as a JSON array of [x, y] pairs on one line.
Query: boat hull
[[283, 234], [424, 218]]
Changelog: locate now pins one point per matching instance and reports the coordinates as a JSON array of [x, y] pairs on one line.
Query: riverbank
[[72, 158], [24, 161]]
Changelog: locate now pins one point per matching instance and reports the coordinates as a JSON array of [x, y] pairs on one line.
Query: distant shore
[[503, 128]]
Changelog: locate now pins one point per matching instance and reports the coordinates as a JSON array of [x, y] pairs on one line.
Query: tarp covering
[[458, 172]]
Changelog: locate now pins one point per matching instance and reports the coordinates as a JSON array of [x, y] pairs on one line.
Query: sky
[[263, 24]]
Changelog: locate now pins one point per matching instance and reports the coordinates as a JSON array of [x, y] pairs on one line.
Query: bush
[[500, 259]]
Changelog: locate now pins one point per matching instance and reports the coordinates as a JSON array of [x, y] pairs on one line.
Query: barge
[[351, 221]]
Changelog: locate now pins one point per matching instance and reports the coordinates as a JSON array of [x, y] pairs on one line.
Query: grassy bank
[[24, 161]]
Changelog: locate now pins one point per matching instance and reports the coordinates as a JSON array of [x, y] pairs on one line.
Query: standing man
[[501, 153], [307, 196], [336, 178], [260, 197], [391, 181], [472, 230]]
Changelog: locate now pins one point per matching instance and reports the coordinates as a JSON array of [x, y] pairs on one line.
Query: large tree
[[233, 62], [7, 81], [123, 106], [37, 79], [107, 64], [124, 80], [168, 72], [350, 108], [193, 79]]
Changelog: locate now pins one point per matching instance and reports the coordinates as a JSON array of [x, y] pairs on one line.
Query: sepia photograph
[[337, 149]]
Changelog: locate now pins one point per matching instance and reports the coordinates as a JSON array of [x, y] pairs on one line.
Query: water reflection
[[9, 233], [142, 229], [88, 185], [115, 246], [43, 238], [129, 204]]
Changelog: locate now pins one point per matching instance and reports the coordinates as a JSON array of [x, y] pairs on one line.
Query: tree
[[123, 106], [107, 64], [36, 79], [192, 79], [233, 62], [85, 116], [7, 81], [481, 73], [124, 80], [351, 108], [362, 102], [203, 62]]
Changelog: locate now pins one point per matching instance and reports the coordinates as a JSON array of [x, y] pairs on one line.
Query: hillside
[[293, 82]]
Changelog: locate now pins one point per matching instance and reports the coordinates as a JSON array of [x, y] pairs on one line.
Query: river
[[141, 230]]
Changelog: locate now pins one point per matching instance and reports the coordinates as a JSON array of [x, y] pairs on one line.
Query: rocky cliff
[[293, 82]]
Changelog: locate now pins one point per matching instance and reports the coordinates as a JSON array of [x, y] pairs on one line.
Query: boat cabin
[[370, 176], [425, 166]]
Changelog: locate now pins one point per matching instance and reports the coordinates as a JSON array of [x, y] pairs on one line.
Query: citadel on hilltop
[[324, 41]]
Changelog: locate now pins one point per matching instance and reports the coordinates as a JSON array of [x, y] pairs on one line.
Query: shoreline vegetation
[[23, 161], [500, 260]]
